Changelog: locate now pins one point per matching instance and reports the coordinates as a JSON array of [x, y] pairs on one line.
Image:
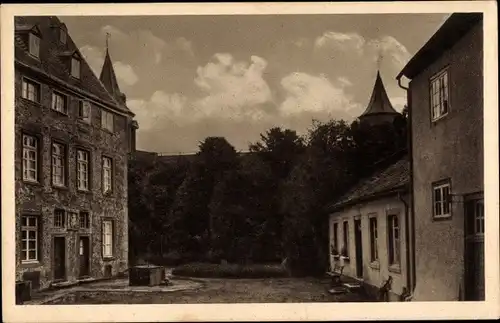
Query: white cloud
[[125, 73], [308, 93], [391, 50], [152, 113], [95, 58], [398, 102], [344, 81], [232, 89], [148, 42]]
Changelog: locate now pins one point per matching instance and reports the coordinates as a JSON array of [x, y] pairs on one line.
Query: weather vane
[[379, 58]]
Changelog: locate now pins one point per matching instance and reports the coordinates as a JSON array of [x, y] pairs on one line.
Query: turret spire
[[108, 76]]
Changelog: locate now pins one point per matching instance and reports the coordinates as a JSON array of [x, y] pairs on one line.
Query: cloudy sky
[[189, 77]]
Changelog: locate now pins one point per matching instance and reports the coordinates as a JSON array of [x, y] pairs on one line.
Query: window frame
[[32, 36], [472, 229], [374, 239], [37, 151], [85, 215], [110, 169], [36, 85], [64, 164], [25, 258], [104, 243], [74, 59], [345, 238], [440, 185], [394, 244], [106, 117], [441, 94], [65, 101], [63, 220], [63, 31], [79, 162], [81, 107], [335, 233]]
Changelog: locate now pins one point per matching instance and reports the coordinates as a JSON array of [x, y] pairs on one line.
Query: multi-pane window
[[441, 200], [75, 67], [34, 45], [63, 35], [84, 220], [58, 164], [31, 90], [394, 240], [475, 217], [59, 218], [107, 120], [439, 95], [346, 239], [59, 102], [82, 158], [84, 111], [335, 238], [107, 238], [29, 238], [373, 239], [107, 174], [30, 158]]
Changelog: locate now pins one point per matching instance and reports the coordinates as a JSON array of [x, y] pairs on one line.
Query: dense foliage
[[259, 207]]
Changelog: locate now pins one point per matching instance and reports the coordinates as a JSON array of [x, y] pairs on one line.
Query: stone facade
[[449, 149], [41, 198]]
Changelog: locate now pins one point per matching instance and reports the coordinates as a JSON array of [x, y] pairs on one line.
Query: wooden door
[[59, 258], [84, 256], [474, 250]]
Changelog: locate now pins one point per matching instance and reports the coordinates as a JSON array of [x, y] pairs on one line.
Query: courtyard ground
[[199, 291]]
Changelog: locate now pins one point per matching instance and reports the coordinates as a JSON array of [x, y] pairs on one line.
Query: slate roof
[[453, 29], [379, 101], [53, 58], [389, 180]]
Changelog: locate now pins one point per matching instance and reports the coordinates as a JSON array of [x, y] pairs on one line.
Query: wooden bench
[[336, 275]]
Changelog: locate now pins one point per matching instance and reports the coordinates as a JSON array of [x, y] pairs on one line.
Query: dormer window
[[63, 35], [75, 67], [34, 45]]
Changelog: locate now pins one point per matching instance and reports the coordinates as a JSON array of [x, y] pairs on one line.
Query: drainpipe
[[407, 241], [412, 277]]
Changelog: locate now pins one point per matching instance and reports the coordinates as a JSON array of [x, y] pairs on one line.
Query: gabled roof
[[453, 29], [379, 101], [55, 66], [390, 180]]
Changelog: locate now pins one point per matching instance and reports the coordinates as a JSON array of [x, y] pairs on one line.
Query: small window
[[75, 67], [34, 45], [474, 213], [107, 238], [59, 219], [394, 240], [63, 35], [31, 91], [30, 158], [439, 96], [29, 238], [59, 102], [58, 164], [107, 119], [82, 170], [345, 247], [84, 111], [107, 174], [373, 239], [84, 220], [442, 200]]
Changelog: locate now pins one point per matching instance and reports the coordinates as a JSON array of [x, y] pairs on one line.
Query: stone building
[[368, 230], [379, 109], [73, 135], [445, 99]]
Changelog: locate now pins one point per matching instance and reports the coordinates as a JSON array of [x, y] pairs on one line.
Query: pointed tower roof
[[108, 78], [379, 101]]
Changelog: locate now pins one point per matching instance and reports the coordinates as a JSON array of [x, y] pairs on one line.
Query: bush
[[208, 270]]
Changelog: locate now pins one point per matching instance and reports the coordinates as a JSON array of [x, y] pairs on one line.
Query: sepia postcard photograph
[[249, 161]]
